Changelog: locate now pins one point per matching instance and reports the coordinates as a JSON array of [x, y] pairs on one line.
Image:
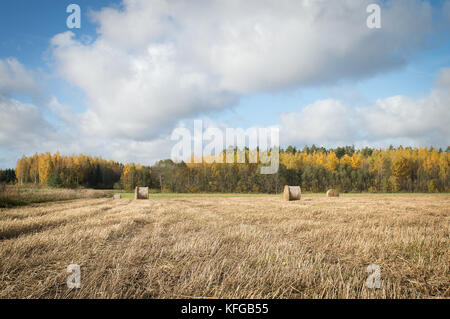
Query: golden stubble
[[228, 247]]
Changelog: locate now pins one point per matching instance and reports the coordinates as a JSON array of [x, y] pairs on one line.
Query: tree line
[[315, 169], [7, 176]]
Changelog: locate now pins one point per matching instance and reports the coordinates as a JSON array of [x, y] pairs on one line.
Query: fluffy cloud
[[134, 96], [155, 62], [394, 120], [15, 78], [24, 128], [323, 122], [22, 125], [24, 131]]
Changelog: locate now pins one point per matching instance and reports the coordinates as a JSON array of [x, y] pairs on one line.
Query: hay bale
[[292, 193], [117, 196], [332, 193], [141, 193]]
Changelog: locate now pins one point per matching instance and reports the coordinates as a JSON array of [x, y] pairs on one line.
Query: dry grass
[[13, 195], [237, 247]]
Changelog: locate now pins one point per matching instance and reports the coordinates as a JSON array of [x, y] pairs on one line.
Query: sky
[[135, 70]]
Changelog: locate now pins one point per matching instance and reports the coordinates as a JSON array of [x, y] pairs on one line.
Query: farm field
[[11, 196], [193, 195], [228, 247]]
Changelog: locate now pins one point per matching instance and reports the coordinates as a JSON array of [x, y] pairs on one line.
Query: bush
[[54, 180], [373, 189], [432, 187]]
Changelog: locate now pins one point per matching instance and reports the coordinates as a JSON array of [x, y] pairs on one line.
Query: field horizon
[[22, 195]]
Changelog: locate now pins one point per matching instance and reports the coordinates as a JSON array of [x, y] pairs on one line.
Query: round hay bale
[[292, 193], [141, 193], [332, 193]]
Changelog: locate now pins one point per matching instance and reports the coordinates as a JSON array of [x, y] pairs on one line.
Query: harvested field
[[12, 195], [228, 247]]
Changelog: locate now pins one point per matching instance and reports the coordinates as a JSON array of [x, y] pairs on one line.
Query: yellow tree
[[400, 167], [45, 167], [20, 171], [77, 169], [56, 161], [34, 168], [320, 158], [444, 163], [355, 161], [288, 159], [431, 163], [332, 161], [128, 176], [346, 160]]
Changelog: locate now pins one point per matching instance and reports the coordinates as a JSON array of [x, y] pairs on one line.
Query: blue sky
[[231, 83]]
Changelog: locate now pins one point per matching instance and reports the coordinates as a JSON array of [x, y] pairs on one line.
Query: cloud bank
[[395, 120], [156, 62]]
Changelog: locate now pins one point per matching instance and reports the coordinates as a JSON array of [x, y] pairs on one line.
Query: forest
[[7, 176], [315, 169]]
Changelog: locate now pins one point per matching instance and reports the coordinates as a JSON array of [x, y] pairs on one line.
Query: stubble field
[[228, 247]]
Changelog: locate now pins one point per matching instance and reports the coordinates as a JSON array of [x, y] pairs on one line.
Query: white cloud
[[156, 62], [443, 80], [323, 122], [22, 125], [15, 78], [134, 96], [394, 120], [24, 130]]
